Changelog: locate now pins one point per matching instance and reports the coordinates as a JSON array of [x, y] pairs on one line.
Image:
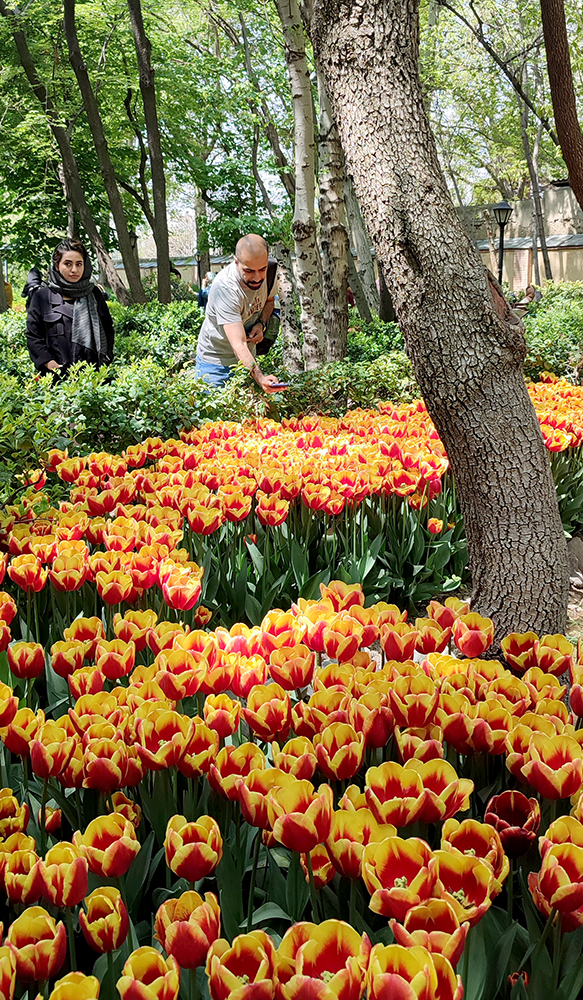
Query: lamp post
[[198, 257], [502, 212]]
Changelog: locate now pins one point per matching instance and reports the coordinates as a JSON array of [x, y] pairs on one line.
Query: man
[[236, 316]]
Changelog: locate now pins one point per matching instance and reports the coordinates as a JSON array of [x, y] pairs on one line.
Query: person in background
[[529, 296], [204, 290], [9, 294], [238, 308], [68, 319]]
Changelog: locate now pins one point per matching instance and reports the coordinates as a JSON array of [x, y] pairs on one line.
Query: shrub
[[554, 332]]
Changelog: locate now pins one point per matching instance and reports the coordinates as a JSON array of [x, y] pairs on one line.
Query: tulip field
[[238, 763]]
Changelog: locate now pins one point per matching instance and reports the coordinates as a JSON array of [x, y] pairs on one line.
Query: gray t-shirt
[[229, 301]]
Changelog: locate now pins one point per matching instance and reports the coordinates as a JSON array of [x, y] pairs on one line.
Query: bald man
[[236, 316]]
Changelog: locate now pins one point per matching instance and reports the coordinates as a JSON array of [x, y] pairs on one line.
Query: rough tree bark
[[148, 90], [70, 169], [130, 261], [563, 92], [308, 267], [356, 285], [333, 231], [290, 327], [361, 243], [466, 345]]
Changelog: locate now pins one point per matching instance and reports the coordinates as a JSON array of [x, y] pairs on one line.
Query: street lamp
[[198, 257], [502, 212]]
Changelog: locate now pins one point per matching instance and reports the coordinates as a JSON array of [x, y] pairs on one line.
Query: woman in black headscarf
[[68, 319]]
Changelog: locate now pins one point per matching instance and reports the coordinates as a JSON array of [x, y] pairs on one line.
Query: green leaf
[[266, 913], [230, 894], [297, 891], [473, 964], [135, 878]]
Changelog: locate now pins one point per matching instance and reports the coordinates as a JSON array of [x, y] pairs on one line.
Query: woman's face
[[71, 265]]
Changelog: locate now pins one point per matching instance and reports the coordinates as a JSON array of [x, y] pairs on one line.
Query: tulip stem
[[313, 893], [110, 973], [71, 936], [253, 879], [43, 818], [510, 888], [557, 941], [193, 984]]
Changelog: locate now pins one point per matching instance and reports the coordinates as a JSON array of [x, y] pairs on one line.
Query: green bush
[[368, 341], [554, 332]]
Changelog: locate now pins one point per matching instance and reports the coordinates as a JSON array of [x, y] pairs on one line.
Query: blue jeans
[[216, 375]]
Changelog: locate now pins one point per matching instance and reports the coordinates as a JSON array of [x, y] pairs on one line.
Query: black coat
[[49, 327]]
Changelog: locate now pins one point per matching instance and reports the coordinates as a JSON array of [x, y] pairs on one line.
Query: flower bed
[[329, 801]]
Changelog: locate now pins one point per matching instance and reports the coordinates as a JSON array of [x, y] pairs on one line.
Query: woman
[[68, 319]]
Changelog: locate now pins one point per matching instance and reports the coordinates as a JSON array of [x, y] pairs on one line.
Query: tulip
[[554, 768], [433, 925], [520, 649], [324, 961], [414, 700], [372, 716], [14, 817], [300, 816], [8, 609], [63, 874], [419, 744], [51, 750], [148, 976], [182, 589], [271, 510], [114, 587], [411, 973], [467, 883], [247, 673], [323, 708], [53, 819], [339, 751], [243, 970], [480, 840], [221, 713], [322, 868], [22, 730], [516, 819], [432, 637], [201, 751], [27, 571], [162, 738], [565, 830], [133, 627], [444, 794], [68, 572], [399, 874], [89, 630], [38, 945], [21, 877], [109, 844], [76, 986], [67, 657], [560, 879], [7, 973], [349, 835], [89, 681], [231, 764], [115, 658], [268, 711], [193, 850], [104, 764], [186, 927], [292, 667], [341, 638], [398, 641], [252, 792], [26, 659], [394, 794], [104, 921], [297, 757], [473, 634], [554, 654]]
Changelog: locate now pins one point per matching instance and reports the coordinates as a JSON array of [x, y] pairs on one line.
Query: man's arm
[[235, 333]]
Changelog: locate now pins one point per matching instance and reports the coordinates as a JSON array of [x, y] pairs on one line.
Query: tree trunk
[[356, 285], [386, 308], [361, 243], [333, 232], [130, 262], [71, 176], [72, 227], [466, 345], [148, 90], [3, 299], [290, 331], [563, 92], [537, 208], [200, 212], [308, 267]]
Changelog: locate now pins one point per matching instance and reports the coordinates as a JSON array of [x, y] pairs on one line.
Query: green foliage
[[367, 341], [554, 332]]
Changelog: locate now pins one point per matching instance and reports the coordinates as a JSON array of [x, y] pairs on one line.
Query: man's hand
[[255, 335], [269, 383]]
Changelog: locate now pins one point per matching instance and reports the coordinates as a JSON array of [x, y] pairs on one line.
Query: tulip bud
[[38, 945], [105, 925]]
